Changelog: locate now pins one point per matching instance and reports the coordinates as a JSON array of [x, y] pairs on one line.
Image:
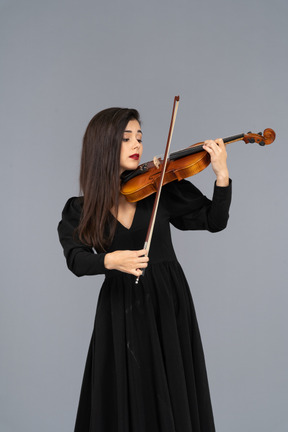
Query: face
[[131, 148]]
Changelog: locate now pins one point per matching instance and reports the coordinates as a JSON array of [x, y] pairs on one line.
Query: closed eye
[[127, 139]]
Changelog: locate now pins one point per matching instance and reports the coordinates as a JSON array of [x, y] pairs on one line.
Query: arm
[[191, 209], [82, 260]]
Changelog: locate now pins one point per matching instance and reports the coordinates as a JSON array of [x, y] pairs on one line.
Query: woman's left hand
[[218, 155]]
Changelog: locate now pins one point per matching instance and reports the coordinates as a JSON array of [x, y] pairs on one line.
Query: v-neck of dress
[[133, 219]]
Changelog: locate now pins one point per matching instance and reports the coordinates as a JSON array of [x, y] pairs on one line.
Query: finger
[[207, 145], [143, 259], [208, 150], [211, 147], [142, 252], [213, 143], [210, 143], [220, 142], [217, 148], [136, 272]]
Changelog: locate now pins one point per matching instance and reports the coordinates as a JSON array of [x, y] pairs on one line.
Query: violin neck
[[199, 147], [233, 138]]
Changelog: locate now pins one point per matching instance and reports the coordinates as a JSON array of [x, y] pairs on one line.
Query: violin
[[137, 185]]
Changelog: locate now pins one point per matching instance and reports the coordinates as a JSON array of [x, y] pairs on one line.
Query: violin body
[[144, 181]]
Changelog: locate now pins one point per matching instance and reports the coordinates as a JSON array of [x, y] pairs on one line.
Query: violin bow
[[159, 188]]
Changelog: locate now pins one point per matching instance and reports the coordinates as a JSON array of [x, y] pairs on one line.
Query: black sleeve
[[81, 259], [189, 209]]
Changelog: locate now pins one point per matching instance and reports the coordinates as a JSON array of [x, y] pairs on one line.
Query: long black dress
[[145, 369]]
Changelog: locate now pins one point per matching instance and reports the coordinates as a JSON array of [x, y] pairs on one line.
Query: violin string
[[180, 151]]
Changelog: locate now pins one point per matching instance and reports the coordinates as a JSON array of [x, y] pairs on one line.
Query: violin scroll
[[266, 138]]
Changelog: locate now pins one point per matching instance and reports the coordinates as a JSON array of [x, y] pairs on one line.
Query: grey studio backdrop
[[63, 61]]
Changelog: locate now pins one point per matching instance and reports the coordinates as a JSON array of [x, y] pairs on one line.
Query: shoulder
[[73, 208]]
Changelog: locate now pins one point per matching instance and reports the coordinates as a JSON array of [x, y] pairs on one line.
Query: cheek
[[123, 151]]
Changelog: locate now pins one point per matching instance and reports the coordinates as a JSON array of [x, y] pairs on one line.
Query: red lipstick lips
[[134, 156]]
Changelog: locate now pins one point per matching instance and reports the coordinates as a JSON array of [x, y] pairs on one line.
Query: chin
[[133, 165]]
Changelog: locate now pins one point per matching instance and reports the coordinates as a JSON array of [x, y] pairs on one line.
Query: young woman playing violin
[[145, 369]]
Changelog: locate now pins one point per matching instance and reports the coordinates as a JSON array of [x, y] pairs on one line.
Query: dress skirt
[[145, 368]]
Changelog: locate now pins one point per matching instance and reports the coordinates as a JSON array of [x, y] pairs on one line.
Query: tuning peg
[[262, 143], [249, 132], [252, 140], [259, 133]]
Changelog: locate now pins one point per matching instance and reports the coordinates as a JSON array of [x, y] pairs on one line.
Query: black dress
[[145, 369]]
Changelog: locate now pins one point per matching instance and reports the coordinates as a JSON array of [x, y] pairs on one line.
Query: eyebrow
[[129, 131]]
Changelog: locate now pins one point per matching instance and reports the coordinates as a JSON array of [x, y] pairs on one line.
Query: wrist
[[108, 261], [222, 179]]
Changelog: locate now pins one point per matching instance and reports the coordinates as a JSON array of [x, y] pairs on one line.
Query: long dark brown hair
[[100, 175]]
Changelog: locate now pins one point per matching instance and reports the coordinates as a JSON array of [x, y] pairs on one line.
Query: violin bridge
[[156, 161]]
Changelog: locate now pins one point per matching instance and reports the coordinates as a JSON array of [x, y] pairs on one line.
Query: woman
[[145, 368]]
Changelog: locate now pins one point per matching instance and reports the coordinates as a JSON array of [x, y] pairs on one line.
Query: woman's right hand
[[127, 261]]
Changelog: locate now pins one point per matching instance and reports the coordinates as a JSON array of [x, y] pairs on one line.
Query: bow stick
[[157, 197]]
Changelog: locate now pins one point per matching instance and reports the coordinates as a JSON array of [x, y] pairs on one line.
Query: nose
[[136, 143]]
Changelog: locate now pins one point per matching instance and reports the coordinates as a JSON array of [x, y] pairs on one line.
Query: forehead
[[133, 126]]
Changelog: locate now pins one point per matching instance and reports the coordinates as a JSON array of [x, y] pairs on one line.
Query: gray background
[[63, 61]]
